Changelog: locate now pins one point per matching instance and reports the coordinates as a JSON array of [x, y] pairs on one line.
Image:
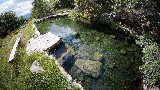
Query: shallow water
[[120, 56]]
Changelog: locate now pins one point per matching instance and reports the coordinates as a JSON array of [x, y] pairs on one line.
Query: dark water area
[[118, 54]]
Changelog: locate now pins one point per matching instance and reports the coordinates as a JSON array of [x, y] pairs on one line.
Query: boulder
[[42, 43], [92, 68], [36, 67]]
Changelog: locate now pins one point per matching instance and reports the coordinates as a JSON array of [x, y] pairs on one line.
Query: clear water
[[121, 57]]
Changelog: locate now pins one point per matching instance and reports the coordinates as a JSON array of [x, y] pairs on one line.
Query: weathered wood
[[11, 57]]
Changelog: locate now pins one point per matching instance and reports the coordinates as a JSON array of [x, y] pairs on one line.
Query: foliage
[[123, 73], [151, 59], [140, 16], [91, 10], [42, 8], [9, 22], [66, 3], [39, 8]]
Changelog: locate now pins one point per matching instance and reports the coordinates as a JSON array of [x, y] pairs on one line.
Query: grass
[[17, 75]]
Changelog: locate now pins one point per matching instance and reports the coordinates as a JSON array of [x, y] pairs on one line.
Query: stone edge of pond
[[63, 14]]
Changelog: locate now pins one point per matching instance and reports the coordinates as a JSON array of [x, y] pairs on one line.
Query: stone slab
[[42, 43]]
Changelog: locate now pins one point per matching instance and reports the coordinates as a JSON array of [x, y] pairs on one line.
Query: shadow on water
[[61, 48], [120, 57], [68, 61]]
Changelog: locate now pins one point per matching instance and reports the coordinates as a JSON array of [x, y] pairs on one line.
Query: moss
[[123, 51], [92, 68], [97, 56]]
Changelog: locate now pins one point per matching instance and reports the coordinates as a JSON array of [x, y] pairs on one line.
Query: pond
[[95, 55]]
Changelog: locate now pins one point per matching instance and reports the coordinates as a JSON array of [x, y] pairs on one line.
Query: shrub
[[151, 59]]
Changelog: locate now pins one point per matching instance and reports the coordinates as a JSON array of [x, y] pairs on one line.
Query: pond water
[[118, 54]]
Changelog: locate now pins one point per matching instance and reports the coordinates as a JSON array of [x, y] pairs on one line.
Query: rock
[[36, 67], [42, 43], [53, 16], [97, 56], [64, 12], [92, 68], [59, 15]]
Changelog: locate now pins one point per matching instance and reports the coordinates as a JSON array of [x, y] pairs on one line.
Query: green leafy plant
[[151, 59]]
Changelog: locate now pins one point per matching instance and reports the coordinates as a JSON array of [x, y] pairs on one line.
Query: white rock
[[42, 43], [36, 67]]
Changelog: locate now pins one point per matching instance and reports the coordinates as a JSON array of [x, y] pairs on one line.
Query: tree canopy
[[9, 22], [141, 16]]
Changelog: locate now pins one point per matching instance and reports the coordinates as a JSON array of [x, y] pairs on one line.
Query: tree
[[39, 8], [9, 22], [42, 8], [66, 3]]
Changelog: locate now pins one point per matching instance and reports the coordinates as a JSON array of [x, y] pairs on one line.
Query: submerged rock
[[42, 43], [89, 67], [36, 67]]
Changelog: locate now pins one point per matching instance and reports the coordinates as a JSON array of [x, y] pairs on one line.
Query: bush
[[151, 59]]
